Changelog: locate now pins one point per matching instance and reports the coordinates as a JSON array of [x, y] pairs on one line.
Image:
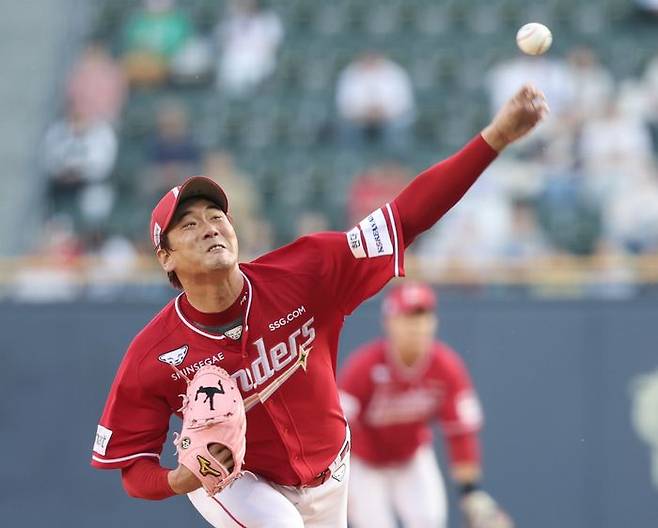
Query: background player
[[391, 389], [274, 325]]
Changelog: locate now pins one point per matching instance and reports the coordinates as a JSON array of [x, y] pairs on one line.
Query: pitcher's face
[[201, 239]]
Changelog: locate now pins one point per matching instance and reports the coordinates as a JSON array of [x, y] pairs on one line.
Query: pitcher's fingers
[[224, 455]]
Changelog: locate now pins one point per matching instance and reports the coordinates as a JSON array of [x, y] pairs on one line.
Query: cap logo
[[157, 230], [175, 190]]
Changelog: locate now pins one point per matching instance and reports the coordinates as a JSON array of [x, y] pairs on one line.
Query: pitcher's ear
[[165, 258]]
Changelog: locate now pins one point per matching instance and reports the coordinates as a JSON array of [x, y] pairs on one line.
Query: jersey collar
[[192, 327]]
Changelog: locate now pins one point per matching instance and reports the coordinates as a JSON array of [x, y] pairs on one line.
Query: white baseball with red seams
[[534, 38]]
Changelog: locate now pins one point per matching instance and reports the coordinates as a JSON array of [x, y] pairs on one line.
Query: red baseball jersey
[[283, 357], [389, 406]]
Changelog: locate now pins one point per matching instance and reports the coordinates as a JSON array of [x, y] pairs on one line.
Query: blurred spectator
[[651, 73], [470, 237], [375, 99], [550, 75], [309, 222], [615, 142], [525, 239], [594, 85], [78, 157], [646, 7], [373, 187], [174, 152], [245, 206], [635, 99], [151, 38], [631, 218], [115, 261], [96, 87], [647, 99], [513, 179], [248, 39], [568, 215], [194, 63]]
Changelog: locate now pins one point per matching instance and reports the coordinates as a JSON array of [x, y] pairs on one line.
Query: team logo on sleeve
[[174, 357], [375, 233]]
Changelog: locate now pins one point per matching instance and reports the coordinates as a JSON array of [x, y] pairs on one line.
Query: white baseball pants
[[415, 491], [253, 502]]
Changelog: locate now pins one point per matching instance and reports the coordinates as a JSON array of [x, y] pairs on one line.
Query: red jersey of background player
[[296, 299], [396, 403]]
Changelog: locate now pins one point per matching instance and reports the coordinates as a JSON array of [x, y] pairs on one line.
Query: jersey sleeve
[[357, 264], [134, 422], [341, 270], [460, 411]]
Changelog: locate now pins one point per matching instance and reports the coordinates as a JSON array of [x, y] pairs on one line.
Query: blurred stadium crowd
[[312, 114]]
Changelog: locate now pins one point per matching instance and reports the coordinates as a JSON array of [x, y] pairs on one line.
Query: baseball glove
[[481, 511], [213, 413]]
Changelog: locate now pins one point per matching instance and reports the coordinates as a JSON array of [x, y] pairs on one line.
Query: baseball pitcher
[[271, 326]]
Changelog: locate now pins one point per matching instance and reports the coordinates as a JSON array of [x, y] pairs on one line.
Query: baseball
[[534, 38]]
